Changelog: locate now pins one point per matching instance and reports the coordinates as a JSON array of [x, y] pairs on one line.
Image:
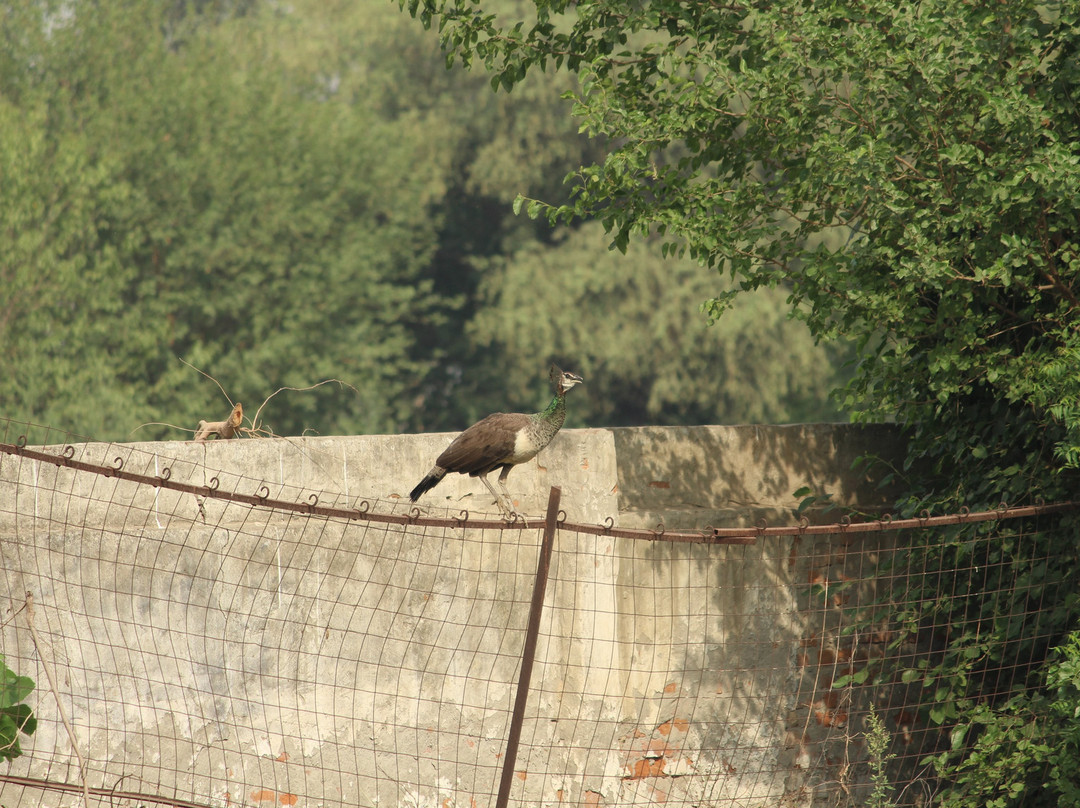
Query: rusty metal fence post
[[528, 654]]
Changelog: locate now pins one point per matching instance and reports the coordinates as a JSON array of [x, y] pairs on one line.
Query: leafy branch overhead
[[907, 171]]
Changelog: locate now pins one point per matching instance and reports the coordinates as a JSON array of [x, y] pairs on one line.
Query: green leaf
[[9, 738], [857, 678], [13, 688]]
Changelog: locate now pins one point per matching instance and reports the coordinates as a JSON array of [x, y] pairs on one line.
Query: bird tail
[[430, 481]]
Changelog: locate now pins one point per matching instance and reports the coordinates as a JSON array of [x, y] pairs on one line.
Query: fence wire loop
[[313, 501], [68, 452]]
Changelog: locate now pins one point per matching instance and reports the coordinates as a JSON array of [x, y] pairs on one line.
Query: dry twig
[[233, 425]]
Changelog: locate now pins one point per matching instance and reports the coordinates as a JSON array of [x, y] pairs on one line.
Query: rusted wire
[[104, 793], [711, 535]]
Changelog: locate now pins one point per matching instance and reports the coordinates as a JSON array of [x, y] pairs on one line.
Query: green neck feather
[[557, 405]]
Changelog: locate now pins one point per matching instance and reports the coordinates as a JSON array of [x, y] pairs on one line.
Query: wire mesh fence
[[204, 639]]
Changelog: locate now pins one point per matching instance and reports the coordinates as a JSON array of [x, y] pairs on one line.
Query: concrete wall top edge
[[695, 475]]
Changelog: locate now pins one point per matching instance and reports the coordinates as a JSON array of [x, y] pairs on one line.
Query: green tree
[[188, 194], [497, 146], [278, 195], [503, 145], [630, 324], [908, 171], [62, 320], [938, 142]]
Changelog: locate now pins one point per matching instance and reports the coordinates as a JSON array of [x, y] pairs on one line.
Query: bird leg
[[509, 499], [508, 512]]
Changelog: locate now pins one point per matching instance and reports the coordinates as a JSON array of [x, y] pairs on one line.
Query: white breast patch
[[524, 448]]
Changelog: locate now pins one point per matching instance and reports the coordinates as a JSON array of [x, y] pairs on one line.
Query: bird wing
[[487, 444]]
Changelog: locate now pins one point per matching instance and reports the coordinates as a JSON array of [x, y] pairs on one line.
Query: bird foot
[[513, 516]]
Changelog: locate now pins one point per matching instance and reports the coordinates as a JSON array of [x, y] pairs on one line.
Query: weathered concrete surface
[[272, 654], [689, 477]]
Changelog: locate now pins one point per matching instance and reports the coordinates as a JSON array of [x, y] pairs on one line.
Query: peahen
[[502, 440]]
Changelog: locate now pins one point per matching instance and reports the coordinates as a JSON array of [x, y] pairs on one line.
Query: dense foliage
[[909, 173], [646, 303], [161, 201], [939, 142], [16, 717], [280, 196]]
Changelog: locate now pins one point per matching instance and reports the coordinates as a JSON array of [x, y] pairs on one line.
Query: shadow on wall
[[691, 477], [749, 657]]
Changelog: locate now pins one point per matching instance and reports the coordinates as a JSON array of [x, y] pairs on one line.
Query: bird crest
[[561, 379]]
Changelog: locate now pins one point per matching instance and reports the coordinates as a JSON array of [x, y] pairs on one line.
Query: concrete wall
[[157, 608]]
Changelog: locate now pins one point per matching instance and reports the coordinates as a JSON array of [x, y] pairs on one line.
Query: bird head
[[563, 380]]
